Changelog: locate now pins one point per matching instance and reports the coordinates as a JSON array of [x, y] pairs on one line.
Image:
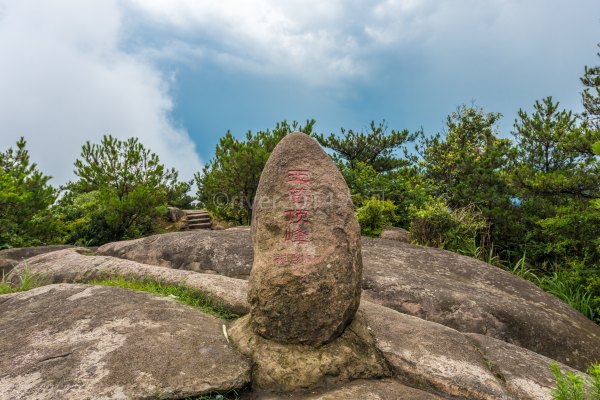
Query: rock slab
[[305, 282], [92, 342], [226, 252], [72, 266]]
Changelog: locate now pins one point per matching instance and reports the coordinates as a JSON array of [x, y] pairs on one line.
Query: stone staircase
[[198, 219]]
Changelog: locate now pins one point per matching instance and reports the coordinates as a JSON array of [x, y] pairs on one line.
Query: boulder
[[305, 281], [91, 342], [432, 355], [470, 366], [457, 291], [227, 252], [174, 214], [422, 354], [76, 265], [471, 296], [525, 374], [9, 258], [398, 234]]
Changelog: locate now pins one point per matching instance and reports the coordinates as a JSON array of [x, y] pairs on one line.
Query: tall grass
[[577, 297], [521, 269]]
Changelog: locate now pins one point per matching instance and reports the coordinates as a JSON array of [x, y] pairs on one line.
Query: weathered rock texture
[[525, 374], [227, 252], [472, 296], [89, 342], [399, 234], [305, 279], [420, 353], [286, 367], [9, 258], [434, 357], [71, 265], [432, 284]]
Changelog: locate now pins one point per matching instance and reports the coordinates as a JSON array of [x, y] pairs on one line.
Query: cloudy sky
[[179, 73]]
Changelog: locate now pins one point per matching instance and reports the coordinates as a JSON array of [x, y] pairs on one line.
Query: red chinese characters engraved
[[295, 258], [298, 176], [297, 195], [297, 216], [298, 231], [297, 234]]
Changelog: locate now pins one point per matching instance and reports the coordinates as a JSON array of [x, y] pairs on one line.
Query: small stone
[[305, 282]]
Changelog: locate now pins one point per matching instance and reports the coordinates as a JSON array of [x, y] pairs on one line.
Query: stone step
[[199, 221], [203, 225], [194, 216]]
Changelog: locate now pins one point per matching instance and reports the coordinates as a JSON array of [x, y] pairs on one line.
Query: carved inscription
[[297, 218], [298, 229]]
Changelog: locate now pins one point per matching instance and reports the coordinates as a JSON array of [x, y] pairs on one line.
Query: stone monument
[[305, 282], [303, 330]]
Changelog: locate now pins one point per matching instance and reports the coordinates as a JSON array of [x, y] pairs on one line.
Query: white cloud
[[306, 39], [64, 80]]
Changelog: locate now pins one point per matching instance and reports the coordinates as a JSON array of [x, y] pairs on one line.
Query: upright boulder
[[305, 282]]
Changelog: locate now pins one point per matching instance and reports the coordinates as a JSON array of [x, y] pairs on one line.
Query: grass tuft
[[27, 281], [194, 298], [575, 296]]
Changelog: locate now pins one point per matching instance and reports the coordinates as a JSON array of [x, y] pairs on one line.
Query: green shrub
[[374, 215], [571, 386], [458, 230]]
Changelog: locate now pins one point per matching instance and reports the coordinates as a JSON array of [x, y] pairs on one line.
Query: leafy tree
[[404, 187], [25, 196], [555, 157], [375, 148], [122, 189], [591, 95], [228, 183], [556, 174], [466, 167]]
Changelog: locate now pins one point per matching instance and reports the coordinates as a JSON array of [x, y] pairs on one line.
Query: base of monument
[[287, 367]]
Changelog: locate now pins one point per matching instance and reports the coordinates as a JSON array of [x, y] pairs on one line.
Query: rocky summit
[[305, 283], [74, 341]]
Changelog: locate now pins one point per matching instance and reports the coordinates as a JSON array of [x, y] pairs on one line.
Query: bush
[[374, 215], [571, 386], [436, 225]]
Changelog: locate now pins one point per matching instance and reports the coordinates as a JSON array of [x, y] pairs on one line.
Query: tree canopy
[[228, 183], [375, 148], [122, 189], [25, 196]]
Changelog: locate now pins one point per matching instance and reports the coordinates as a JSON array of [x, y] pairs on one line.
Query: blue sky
[[179, 74]]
